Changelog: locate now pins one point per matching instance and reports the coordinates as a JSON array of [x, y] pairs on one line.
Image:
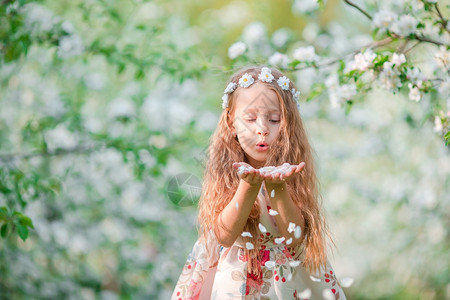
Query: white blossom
[[280, 37], [254, 33], [306, 54], [442, 58], [269, 264], [304, 6], [384, 19], [279, 59], [398, 59], [363, 61], [249, 246], [60, 138], [246, 80], [405, 25], [289, 241], [225, 104], [70, 45], [283, 82], [246, 234], [438, 127], [230, 88], [414, 93], [265, 75], [121, 108], [237, 49]]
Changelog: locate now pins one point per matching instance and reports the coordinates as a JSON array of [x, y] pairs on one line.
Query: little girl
[[262, 234]]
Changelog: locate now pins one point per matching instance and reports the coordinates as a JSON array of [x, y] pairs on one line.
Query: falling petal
[[279, 240], [314, 278], [246, 233], [289, 241], [272, 194], [249, 246], [273, 212], [328, 294], [262, 228], [270, 264], [306, 294], [297, 232], [237, 205], [289, 277], [294, 263], [291, 227], [347, 282]]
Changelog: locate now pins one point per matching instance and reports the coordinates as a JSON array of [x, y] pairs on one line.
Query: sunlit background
[[103, 103]]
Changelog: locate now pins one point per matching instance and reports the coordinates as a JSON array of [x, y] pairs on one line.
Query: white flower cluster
[[363, 61], [339, 94], [389, 77], [266, 76], [390, 21]]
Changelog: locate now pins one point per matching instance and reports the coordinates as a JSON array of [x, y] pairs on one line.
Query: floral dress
[[215, 272]]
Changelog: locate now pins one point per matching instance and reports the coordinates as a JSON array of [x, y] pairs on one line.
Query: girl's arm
[[288, 211], [232, 219]]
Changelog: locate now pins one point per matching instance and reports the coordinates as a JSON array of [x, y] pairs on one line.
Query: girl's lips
[[262, 147]]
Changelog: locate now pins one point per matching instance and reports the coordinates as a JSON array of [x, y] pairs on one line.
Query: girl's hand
[[280, 178], [248, 173]]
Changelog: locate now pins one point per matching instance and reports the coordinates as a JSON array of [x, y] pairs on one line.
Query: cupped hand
[[248, 173], [281, 177]]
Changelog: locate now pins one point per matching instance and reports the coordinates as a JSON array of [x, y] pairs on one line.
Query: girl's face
[[256, 121]]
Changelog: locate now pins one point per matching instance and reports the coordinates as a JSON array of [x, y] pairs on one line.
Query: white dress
[[221, 273]]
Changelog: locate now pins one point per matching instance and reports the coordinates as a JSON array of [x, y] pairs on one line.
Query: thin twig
[[425, 39], [444, 21], [412, 47], [358, 8]]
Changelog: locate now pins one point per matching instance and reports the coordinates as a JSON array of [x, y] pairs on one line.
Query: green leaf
[[22, 231], [4, 230]]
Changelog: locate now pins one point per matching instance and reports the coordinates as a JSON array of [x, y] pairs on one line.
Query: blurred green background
[[103, 103]]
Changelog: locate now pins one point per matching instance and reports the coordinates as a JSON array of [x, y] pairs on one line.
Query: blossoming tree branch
[[408, 52]]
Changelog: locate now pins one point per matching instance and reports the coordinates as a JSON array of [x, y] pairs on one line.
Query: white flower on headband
[[295, 94], [246, 80], [283, 82], [266, 75], [224, 101], [230, 88]]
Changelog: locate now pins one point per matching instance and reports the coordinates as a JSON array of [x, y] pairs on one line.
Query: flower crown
[[266, 75]]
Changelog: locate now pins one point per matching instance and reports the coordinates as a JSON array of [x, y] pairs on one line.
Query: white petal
[[291, 227], [289, 241], [273, 212], [297, 232], [270, 264], [246, 233], [249, 246], [237, 205], [305, 294], [314, 278], [289, 277], [347, 282], [272, 194], [279, 240], [262, 228], [328, 294], [294, 263]]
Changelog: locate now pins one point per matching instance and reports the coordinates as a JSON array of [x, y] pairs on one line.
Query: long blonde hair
[[292, 146]]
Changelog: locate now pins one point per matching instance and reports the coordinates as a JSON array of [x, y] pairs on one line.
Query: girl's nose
[[263, 129]]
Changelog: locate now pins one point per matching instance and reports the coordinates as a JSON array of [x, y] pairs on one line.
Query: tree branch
[[444, 21], [359, 8]]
